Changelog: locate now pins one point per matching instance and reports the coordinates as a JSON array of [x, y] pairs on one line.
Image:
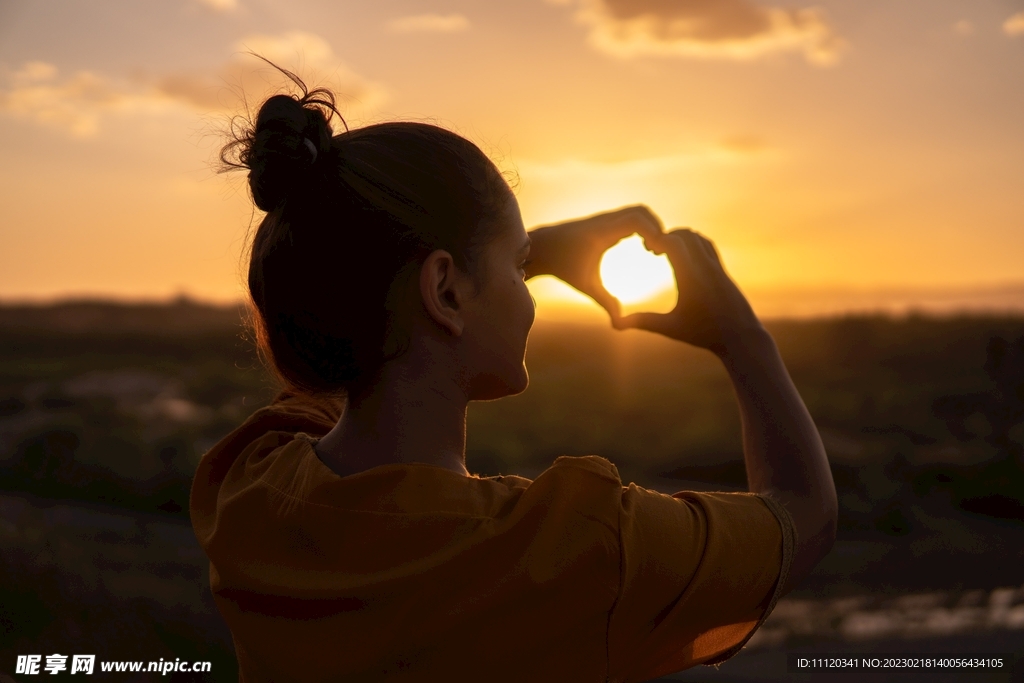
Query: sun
[[634, 275]]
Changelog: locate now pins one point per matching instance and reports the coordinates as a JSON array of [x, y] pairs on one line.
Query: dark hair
[[350, 218]]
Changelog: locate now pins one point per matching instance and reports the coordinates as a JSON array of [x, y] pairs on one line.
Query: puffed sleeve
[[699, 573]]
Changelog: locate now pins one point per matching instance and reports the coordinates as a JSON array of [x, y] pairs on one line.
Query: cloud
[[429, 23], [1014, 26], [245, 79], [743, 143], [74, 103], [78, 103], [223, 6], [963, 28], [714, 29]]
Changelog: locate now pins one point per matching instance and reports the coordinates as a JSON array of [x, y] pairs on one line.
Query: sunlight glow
[[632, 274]]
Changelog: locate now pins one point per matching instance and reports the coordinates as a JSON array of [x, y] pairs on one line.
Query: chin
[[493, 386]]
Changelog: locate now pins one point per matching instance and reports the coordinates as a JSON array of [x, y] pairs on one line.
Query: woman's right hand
[[710, 311]]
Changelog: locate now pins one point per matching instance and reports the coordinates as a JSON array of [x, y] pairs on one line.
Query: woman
[[348, 541]]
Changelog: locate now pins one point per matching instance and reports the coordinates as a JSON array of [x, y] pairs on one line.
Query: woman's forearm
[[782, 449]]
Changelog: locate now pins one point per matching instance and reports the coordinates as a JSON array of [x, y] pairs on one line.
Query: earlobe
[[440, 292]]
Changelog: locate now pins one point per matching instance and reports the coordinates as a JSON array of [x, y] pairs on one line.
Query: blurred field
[[105, 410]]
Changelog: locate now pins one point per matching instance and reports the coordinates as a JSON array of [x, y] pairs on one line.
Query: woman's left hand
[[572, 251]]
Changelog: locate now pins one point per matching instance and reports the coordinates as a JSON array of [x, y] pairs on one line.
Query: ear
[[443, 290]]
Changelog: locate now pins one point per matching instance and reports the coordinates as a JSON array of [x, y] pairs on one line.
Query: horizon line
[[780, 303]]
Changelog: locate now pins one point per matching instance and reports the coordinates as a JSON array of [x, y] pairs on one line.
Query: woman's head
[[351, 221]]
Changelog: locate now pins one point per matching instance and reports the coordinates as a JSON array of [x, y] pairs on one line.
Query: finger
[[608, 303], [714, 259], [632, 219], [656, 243], [649, 225], [679, 246], [702, 253], [652, 322], [709, 248], [680, 232]]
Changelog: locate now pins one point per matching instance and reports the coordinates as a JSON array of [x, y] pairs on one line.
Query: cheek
[[528, 301], [510, 304], [524, 300]]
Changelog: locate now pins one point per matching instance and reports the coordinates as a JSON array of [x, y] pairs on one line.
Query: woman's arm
[[782, 449], [783, 452]]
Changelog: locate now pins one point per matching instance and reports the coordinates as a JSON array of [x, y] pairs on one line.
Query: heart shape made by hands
[[638, 278]]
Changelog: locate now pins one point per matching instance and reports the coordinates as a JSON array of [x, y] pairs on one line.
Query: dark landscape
[[105, 409]]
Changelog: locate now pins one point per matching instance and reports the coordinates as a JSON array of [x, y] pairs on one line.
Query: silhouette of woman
[[347, 540]]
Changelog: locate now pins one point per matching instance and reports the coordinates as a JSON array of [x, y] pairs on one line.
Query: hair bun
[[286, 142]]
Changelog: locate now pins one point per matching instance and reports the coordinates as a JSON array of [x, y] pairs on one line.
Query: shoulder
[[576, 491], [248, 452], [582, 480], [564, 470], [585, 467], [294, 412]]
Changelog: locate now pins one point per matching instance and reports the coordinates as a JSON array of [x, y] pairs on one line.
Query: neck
[[411, 416]]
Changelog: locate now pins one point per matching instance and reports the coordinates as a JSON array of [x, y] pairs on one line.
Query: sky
[[843, 155]]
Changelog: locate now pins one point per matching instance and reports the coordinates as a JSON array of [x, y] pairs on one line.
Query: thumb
[[608, 303], [652, 322]]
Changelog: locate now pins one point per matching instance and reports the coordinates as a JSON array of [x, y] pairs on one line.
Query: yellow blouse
[[413, 572]]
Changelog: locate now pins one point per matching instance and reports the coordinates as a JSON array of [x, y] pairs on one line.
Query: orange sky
[[863, 154]]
